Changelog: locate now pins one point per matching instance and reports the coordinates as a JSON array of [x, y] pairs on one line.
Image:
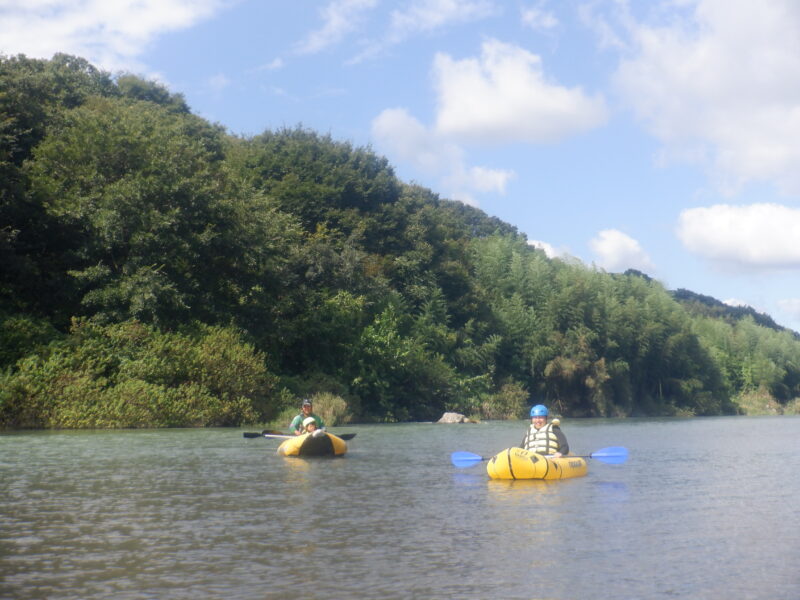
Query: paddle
[[269, 433], [613, 455], [465, 459]]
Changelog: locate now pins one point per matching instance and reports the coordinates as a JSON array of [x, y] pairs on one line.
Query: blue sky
[[656, 135]]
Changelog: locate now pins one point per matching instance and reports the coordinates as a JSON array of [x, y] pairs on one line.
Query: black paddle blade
[[251, 434]]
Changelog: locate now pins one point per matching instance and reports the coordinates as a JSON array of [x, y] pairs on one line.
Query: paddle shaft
[[268, 433]]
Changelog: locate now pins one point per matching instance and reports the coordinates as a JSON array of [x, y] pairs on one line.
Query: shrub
[[132, 375], [758, 402], [510, 402], [331, 408]]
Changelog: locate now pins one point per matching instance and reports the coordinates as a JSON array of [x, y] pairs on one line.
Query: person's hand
[[557, 455]]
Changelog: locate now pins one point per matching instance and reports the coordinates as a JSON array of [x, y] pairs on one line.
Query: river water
[[703, 509]]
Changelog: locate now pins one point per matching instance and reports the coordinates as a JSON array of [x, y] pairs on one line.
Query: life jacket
[[542, 440]]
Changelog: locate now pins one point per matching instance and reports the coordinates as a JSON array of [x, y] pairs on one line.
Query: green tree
[[163, 235]]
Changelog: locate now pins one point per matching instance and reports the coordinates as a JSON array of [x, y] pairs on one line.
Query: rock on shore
[[452, 417]]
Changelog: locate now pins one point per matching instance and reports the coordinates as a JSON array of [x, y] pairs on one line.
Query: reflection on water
[[209, 514], [611, 491]]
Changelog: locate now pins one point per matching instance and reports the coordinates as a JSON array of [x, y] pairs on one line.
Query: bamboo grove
[[157, 271]]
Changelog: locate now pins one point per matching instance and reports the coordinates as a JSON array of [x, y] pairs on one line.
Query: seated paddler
[[543, 436], [310, 427]]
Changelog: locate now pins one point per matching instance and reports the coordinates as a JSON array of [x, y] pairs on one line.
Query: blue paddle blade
[[613, 455], [465, 459]]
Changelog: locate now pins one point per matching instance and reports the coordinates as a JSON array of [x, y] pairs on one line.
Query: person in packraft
[[307, 410], [310, 427], [544, 437]]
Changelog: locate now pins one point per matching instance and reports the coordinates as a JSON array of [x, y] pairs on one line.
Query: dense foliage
[[157, 271]]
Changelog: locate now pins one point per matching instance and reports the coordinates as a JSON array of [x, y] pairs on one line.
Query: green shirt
[[297, 422]]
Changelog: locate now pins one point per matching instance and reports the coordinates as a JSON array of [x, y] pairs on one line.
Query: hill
[[699, 304], [158, 271]]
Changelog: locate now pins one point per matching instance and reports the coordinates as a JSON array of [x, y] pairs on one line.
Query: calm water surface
[[703, 509]]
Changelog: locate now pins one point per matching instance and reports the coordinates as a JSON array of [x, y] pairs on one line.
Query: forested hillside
[[158, 271]]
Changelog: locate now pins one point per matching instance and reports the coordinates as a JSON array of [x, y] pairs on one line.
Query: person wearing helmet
[[543, 437], [306, 411], [310, 427]]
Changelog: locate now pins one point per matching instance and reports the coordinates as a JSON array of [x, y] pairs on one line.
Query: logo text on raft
[[575, 464]]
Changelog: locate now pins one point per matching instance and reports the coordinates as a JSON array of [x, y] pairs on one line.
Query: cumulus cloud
[[549, 250], [109, 34], [464, 182], [501, 97], [504, 96], [757, 235], [735, 302], [340, 18], [408, 140], [617, 251], [720, 85]]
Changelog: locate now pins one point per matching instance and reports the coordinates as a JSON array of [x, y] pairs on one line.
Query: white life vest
[[542, 440]]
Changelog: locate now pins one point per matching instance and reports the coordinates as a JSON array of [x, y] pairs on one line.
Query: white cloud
[[504, 96], [340, 17], [410, 141], [735, 302], [617, 251], [758, 235], [273, 65], [108, 34], [425, 17], [428, 15], [537, 18], [720, 85], [549, 250], [464, 182], [406, 139], [607, 34], [219, 82]]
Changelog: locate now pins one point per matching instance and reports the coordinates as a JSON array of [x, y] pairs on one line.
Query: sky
[[662, 136]]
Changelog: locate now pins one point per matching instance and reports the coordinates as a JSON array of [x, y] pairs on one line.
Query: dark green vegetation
[[157, 271]]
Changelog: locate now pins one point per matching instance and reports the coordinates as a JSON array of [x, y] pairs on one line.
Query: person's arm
[[563, 444], [296, 425], [320, 422]]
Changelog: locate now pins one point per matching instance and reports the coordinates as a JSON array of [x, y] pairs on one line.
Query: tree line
[[159, 271]]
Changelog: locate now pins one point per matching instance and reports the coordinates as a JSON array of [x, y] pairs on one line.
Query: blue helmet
[[540, 410]]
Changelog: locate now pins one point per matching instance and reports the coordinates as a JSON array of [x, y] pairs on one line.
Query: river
[[704, 508]]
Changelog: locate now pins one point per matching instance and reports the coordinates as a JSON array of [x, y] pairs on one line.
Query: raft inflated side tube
[[308, 444], [516, 463]]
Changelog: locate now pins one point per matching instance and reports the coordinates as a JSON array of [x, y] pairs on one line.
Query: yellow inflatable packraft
[[516, 463], [307, 444]]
